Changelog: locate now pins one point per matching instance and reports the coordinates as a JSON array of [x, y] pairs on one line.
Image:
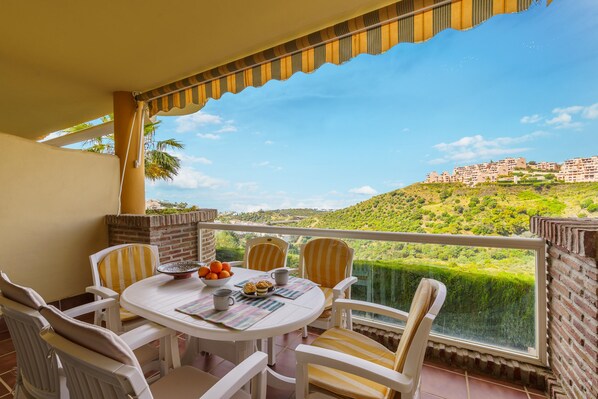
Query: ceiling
[[60, 61]]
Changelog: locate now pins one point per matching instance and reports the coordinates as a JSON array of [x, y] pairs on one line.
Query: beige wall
[[52, 207]]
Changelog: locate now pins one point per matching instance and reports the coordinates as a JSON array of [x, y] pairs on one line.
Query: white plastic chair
[[41, 377], [102, 368], [37, 376], [329, 263], [109, 281], [371, 371]]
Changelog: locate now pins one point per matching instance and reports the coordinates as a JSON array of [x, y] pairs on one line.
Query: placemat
[[293, 290], [240, 316]]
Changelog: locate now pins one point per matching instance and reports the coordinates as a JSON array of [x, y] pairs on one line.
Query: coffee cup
[[280, 276], [223, 299]]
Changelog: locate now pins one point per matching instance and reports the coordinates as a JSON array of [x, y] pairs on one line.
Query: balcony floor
[[438, 382]]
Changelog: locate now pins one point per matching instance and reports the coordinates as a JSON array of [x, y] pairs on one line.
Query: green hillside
[[277, 216], [486, 209]]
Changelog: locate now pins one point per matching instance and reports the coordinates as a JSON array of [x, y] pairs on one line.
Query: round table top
[[156, 298]]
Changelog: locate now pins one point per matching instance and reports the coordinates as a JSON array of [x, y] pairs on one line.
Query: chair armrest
[[308, 354], [145, 334], [339, 290], [342, 304], [102, 292], [235, 379], [236, 263], [92, 307]]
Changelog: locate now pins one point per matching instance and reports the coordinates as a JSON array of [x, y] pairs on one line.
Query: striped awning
[[407, 21]]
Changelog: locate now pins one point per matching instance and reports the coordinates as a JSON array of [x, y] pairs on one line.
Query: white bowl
[[215, 283]]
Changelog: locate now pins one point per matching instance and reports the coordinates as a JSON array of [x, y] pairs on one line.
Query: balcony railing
[[489, 308]]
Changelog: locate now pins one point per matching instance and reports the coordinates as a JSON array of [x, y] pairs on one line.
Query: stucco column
[[133, 190]]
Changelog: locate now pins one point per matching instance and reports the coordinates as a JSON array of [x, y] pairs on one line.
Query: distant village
[[517, 170]]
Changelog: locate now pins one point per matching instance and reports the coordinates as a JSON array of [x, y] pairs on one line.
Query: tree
[[159, 163]]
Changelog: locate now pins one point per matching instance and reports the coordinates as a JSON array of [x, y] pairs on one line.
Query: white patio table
[[156, 298]]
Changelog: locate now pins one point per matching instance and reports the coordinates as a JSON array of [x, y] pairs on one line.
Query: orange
[[223, 274], [203, 271], [212, 276], [226, 266], [216, 266]]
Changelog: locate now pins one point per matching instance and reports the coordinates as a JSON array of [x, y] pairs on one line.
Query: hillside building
[[579, 170], [572, 171]]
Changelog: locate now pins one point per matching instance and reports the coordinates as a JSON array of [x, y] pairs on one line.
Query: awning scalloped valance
[[407, 21]]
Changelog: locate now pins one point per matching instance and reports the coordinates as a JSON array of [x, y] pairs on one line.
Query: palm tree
[[159, 163]]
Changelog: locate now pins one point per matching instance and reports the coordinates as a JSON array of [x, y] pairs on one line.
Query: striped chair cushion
[[346, 384], [328, 295], [265, 257], [326, 261]]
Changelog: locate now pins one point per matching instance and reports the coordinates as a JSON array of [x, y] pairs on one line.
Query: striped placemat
[[293, 290], [240, 316]]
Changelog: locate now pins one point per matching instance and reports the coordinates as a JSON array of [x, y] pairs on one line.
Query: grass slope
[[486, 209]]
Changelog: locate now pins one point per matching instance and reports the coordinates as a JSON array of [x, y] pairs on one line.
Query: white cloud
[[590, 112], [267, 164], [209, 136], [531, 119], [268, 142], [229, 128], [364, 190], [565, 117], [476, 147], [191, 158], [191, 122], [189, 178], [249, 186]]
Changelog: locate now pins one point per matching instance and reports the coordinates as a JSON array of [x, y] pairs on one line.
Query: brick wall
[[572, 284], [175, 235]]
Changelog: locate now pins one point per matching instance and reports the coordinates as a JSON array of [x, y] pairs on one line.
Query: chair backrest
[[100, 369], [427, 301], [38, 374], [265, 253], [120, 266], [326, 261]]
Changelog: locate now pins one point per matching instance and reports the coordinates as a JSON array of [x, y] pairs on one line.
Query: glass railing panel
[[490, 291]]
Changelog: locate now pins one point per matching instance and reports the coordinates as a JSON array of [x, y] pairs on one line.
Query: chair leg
[[304, 335], [271, 352]]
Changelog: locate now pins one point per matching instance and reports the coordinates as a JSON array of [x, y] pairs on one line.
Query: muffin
[[249, 288], [262, 287]]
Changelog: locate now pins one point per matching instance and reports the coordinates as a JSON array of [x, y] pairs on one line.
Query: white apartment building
[[579, 170]]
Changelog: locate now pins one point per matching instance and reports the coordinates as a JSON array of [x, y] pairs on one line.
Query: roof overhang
[[61, 61]]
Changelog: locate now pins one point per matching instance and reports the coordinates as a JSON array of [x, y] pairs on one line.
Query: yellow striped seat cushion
[[125, 266], [125, 315], [265, 257], [345, 384], [326, 261]]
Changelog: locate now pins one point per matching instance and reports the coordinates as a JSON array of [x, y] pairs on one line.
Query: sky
[[518, 85]]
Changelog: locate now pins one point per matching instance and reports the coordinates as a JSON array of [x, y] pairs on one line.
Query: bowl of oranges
[[216, 274]]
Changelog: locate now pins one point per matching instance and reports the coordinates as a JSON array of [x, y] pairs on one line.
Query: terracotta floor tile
[[4, 335], [443, 383], [8, 362], [300, 340], [274, 393], [286, 339], [3, 389], [509, 384], [426, 395], [445, 367], [480, 389], [6, 346], [222, 369], [285, 363], [207, 362], [10, 377]]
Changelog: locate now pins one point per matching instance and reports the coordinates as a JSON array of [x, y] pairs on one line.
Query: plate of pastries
[[259, 289]]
